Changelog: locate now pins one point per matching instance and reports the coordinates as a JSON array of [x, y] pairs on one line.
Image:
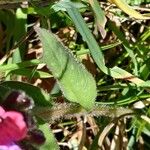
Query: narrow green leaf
[[145, 70], [99, 17], [21, 65], [94, 144], [19, 31], [125, 43], [31, 73], [129, 10], [76, 83]]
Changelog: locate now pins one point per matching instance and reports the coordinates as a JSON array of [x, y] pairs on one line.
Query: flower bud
[[18, 100]]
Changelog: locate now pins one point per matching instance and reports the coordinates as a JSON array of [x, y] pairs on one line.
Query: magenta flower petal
[[2, 111], [12, 127], [10, 147]]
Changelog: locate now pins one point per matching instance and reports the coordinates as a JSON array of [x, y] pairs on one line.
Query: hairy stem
[[71, 110]]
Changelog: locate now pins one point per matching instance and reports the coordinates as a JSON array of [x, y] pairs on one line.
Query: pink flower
[[10, 147], [12, 127]]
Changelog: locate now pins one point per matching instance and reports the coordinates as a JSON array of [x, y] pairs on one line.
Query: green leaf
[[21, 65], [99, 16], [145, 84], [19, 31], [76, 83], [125, 43], [40, 97], [94, 144], [31, 73], [129, 10], [50, 143]]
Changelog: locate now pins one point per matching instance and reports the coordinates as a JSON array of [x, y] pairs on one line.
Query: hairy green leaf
[[76, 83]]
